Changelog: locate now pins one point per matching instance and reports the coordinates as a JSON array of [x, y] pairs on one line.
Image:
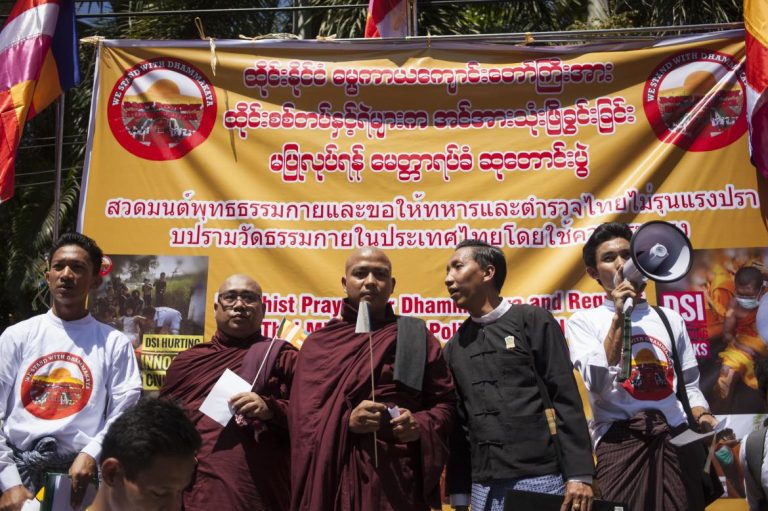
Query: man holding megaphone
[[640, 370]]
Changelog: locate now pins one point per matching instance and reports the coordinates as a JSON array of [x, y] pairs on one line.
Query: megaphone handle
[[626, 354], [629, 304]]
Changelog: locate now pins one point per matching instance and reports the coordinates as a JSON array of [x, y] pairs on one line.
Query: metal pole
[[300, 27], [413, 18], [58, 154], [598, 10]]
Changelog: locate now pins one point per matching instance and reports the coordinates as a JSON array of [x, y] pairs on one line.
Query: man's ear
[[344, 283], [592, 272], [488, 273], [393, 284], [97, 282], [111, 470]]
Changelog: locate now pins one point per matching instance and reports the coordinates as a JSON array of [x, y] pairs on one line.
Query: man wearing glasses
[[245, 465]]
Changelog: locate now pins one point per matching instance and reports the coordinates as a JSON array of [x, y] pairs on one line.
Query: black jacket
[[503, 427]]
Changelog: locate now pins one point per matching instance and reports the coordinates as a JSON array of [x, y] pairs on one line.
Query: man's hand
[[366, 417], [760, 266], [14, 497], [251, 405], [81, 473], [704, 419], [624, 290], [405, 428], [578, 497], [707, 423]]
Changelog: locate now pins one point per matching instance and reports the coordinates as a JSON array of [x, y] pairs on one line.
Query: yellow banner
[[285, 156]]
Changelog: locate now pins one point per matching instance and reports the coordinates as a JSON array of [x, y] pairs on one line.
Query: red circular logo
[[106, 266], [56, 385], [696, 100], [162, 108]]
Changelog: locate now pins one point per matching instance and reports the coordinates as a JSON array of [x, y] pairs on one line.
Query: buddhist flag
[[291, 332], [38, 63], [387, 18], [756, 23], [363, 325]]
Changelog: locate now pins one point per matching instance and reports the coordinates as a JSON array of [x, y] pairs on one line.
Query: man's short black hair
[[604, 232], [487, 255], [749, 276], [153, 427], [81, 240]]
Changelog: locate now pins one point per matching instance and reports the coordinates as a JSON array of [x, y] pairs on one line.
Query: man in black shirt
[[522, 422]]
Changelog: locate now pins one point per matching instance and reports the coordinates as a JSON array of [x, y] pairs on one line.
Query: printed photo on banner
[[158, 302], [723, 303]]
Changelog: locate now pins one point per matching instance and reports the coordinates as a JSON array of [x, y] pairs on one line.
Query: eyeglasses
[[230, 299]]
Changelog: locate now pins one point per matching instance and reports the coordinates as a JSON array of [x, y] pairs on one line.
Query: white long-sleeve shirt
[[652, 383], [64, 379]]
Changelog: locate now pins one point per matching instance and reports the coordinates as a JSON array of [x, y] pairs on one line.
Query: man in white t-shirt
[[634, 418], [64, 378]]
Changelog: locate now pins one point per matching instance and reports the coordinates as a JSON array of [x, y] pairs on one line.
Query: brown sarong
[[637, 465]]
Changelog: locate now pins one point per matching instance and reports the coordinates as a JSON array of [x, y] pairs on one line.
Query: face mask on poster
[[747, 303]]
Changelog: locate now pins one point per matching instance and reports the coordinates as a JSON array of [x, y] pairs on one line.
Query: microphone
[[650, 263]]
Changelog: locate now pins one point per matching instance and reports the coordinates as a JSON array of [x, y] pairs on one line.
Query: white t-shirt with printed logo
[[652, 380], [65, 379]]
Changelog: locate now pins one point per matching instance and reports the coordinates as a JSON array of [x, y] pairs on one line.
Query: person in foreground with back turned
[[148, 459]]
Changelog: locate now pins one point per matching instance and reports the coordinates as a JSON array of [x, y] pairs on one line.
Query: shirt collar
[[495, 314], [640, 304]]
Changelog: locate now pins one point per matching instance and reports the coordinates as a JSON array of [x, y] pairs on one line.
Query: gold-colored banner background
[[293, 153]]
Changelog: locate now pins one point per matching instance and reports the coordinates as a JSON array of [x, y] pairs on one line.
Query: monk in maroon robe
[[244, 466], [333, 416]]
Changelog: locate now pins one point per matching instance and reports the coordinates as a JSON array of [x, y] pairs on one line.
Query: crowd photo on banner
[[399, 274]]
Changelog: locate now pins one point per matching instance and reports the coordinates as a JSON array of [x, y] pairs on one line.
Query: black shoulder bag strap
[[755, 447], [710, 481], [682, 395]]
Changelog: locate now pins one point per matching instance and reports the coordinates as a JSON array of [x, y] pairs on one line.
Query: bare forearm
[[613, 341]]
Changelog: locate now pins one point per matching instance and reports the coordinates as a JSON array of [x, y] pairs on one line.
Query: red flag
[[38, 62], [387, 18], [756, 23]]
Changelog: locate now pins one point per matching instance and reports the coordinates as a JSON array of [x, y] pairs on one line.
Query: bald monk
[[245, 465], [333, 416]]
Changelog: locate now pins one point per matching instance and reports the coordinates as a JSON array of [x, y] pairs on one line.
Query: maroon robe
[[235, 471], [333, 468]]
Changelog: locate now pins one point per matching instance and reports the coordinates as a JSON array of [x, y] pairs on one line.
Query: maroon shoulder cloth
[[237, 470], [333, 468]]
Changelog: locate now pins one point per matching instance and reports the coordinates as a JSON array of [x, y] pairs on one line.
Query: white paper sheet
[[216, 405], [688, 436], [31, 505]]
